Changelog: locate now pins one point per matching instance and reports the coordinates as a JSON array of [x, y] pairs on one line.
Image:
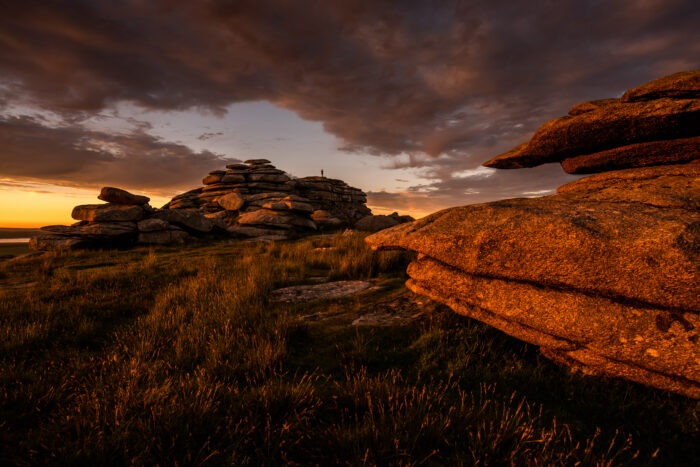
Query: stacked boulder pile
[[260, 177], [255, 198], [251, 199], [125, 219], [604, 275]]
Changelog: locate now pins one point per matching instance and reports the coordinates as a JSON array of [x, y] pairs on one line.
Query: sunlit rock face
[[604, 275], [654, 124]]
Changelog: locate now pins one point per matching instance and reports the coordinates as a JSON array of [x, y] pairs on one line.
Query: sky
[[403, 99]]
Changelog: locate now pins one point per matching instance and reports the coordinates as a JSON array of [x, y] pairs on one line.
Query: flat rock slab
[[310, 293], [397, 312], [602, 276], [119, 196]]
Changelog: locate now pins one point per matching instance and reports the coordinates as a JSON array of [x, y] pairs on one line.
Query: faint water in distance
[[14, 240]]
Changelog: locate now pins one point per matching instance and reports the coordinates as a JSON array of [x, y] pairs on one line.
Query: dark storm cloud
[[466, 79], [33, 151]]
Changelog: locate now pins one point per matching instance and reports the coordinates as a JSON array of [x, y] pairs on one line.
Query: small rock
[[326, 291], [325, 219], [231, 201], [210, 179]]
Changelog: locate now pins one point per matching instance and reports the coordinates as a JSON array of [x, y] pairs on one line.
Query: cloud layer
[[462, 79], [82, 158]]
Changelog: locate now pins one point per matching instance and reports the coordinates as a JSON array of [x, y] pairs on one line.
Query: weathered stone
[[221, 187], [325, 291], [673, 186], [650, 345], [401, 219], [217, 215], [603, 275], [57, 243], [325, 219], [613, 125], [233, 178], [287, 204], [119, 196], [673, 151], [260, 198], [107, 213], [152, 225], [97, 230], [375, 223], [183, 204], [189, 194], [250, 231], [276, 219], [231, 201], [209, 179], [257, 161], [265, 186], [172, 236], [266, 170], [187, 219], [683, 85], [270, 178], [585, 107]]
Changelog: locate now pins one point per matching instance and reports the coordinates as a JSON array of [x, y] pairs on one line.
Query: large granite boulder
[[603, 275], [108, 213], [119, 196], [276, 219], [670, 151], [188, 219], [682, 85], [57, 243], [94, 230], [231, 201], [653, 124]]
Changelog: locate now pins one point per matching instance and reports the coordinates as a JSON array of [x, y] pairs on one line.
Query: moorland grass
[[176, 356]]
